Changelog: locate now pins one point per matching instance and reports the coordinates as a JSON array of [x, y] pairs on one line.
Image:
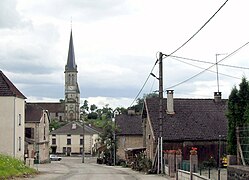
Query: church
[[68, 139], [68, 109], [72, 92]]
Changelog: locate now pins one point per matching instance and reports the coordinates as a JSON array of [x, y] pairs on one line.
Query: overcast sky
[[116, 44]]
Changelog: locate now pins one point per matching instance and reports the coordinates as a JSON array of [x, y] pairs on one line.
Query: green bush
[[142, 163], [11, 167]]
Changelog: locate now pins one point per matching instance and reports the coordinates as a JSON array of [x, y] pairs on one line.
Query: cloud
[[112, 102], [9, 16], [28, 50], [80, 10]]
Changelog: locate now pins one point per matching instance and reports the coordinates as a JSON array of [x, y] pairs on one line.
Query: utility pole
[[160, 142]]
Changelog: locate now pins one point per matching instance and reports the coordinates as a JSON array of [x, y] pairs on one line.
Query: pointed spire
[[71, 59]]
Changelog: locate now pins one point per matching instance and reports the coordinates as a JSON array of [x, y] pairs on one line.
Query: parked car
[[54, 157]]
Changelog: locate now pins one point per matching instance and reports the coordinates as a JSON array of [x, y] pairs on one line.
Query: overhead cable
[[179, 49], [207, 62], [208, 67], [204, 68], [199, 29]]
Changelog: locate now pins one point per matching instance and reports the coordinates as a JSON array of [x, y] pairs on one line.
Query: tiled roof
[[7, 88], [33, 113], [67, 129], [52, 107], [194, 119], [129, 124]]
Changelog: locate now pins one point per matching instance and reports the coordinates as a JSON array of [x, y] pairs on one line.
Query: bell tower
[[72, 92]]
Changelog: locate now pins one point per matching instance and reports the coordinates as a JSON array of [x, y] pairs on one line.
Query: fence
[[243, 144]]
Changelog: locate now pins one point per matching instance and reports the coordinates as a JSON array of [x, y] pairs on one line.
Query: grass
[[11, 167]]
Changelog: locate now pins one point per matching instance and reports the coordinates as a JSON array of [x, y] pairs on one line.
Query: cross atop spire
[[71, 65]]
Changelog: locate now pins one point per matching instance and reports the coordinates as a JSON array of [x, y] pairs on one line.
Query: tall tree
[[243, 95], [233, 118], [238, 113]]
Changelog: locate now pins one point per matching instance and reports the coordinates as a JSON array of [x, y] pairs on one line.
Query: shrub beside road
[[11, 167]]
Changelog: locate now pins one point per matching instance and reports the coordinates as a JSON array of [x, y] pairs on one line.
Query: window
[[44, 119], [53, 141], [81, 141], [19, 143], [64, 150], [56, 114], [29, 133], [53, 135], [19, 119], [44, 133], [68, 141], [69, 135]]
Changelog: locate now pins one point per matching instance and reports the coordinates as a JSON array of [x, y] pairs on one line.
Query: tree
[[232, 116], [238, 113], [93, 107], [85, 107], [243, 95], [140, 102]]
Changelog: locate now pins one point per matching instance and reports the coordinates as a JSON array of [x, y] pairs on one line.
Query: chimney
[[170, 102], [131, 112], [217, 96]]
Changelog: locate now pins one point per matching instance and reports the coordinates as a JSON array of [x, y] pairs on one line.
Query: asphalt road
[[73, 168]]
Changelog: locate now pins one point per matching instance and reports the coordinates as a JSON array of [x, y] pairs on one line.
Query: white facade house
[[68, 139], [12, 119]]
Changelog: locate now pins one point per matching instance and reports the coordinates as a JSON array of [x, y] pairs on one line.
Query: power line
[[144, 84], [179, 49], [208, 67], [199, 29], [204, 68], [200, 61]]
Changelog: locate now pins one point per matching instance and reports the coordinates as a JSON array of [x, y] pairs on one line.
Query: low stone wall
[[236, 172], [166, 170], [185, 175]]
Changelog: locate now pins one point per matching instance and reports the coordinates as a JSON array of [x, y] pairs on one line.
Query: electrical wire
[[231, 54], [200, 61], [139, 92], [178, 49], [204, 68], [198, 30]]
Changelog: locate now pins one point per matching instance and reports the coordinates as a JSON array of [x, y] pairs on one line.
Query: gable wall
[[11, 111], [128, 141]]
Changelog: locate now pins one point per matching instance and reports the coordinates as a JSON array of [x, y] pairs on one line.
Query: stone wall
[[236, 172]]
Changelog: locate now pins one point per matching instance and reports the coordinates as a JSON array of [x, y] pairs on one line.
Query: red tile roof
[[7, 88]]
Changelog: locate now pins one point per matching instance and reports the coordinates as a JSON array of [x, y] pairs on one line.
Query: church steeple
[[71, 65], [72, 92]]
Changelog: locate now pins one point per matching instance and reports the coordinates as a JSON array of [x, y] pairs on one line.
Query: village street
[[73, 168]]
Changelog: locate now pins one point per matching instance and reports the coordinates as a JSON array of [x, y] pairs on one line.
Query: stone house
[[68, 139], [187, 123], [12, 119], [129, 133], [37, 133], [55, 109]]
